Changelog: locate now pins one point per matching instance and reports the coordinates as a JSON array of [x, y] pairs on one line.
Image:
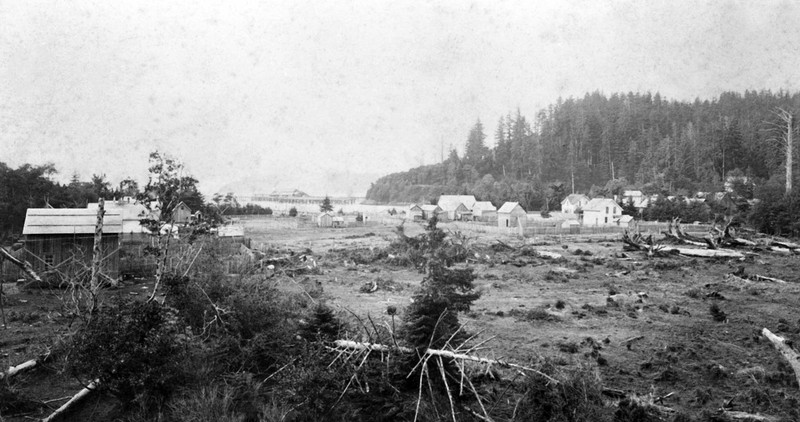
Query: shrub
[[576, 397], [716, 313], [293, 212], [131, 348]]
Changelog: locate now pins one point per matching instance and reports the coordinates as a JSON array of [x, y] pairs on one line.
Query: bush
[[131, 348], [293, 212], [576, 398]]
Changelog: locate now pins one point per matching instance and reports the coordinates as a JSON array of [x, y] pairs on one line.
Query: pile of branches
[[726, 234]]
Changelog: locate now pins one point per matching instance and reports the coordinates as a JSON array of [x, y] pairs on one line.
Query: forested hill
[[638, 140]]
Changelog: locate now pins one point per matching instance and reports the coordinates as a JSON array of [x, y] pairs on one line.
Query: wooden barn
[[484, 211], [61, 240], [325, 219], [511, 214]]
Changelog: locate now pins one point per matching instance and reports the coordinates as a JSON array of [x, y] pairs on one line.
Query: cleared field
[[645, 325]]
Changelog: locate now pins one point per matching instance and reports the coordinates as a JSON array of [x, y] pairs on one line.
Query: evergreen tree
[[326, 206]]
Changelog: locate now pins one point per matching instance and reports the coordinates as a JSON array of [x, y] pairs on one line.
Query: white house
[[428, 211], [511, 214], [625, 221], [572, 203], [415, 213], [458, 207], [601, 212], [632, 196], [325, 219], [484, 211]]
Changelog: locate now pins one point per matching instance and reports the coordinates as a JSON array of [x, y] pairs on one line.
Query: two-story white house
[[573, 203], [601, 212]]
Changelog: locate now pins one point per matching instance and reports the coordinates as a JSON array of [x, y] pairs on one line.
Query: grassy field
[[646, 326]]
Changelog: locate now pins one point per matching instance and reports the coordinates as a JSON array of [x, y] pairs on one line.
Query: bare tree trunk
[[98, 246], [789, 154]]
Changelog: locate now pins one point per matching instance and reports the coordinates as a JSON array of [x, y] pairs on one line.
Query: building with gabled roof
[[574, 203], [601, 212], [61, 240], [511, 214], [484, 211], [428, 211]]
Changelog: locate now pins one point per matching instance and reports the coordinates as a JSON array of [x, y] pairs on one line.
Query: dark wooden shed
[[60, 240]]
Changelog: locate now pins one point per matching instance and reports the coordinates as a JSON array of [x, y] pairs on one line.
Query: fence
[[534, 230]]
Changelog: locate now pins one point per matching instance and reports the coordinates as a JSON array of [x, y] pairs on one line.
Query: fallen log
[[707, 253], [354, 345], [24, 366], [549, 255], [765, 278], [742, 416], [790, 354], [75, 399]]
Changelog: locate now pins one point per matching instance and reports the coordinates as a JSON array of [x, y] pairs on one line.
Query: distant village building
[[182, 214], [601, 212], [631, 196], [325, 219], [457, 207], [574, 226], [415, 213], [625, 221], [511, 214], [484, 211], [428, 211], [573, 203], [62, 239]]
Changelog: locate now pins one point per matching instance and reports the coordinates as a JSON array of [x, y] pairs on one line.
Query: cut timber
[[550, 255], [764, 278], [742, 416], [14, 370], [707, 253], [76, 398], [790, 354]]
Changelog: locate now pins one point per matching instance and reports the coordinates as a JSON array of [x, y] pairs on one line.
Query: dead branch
[[24, 265], [790, 354], [353, 345], [76, 398]]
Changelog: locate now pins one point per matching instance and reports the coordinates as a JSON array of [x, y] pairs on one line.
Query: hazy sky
[[257, 88]]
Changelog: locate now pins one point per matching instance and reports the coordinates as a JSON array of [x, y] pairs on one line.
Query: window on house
[[48, 259], [606, 210], [606, 218]]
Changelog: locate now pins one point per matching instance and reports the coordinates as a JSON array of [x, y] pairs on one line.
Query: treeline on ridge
[[634, 139]]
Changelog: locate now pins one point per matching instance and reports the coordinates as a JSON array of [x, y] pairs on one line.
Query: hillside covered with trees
[[601, 144]]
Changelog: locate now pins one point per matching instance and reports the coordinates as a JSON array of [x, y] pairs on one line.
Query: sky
[[287, 94]]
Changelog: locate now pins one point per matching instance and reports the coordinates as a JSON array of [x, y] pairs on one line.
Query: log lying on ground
[[790, 354], [637, 242], [707, 253], [742, 416], [354, 345], [75, 399], [14, 370]]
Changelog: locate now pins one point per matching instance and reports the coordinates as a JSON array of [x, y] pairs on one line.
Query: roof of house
[[599, 204], [69, 221], [625, 218], [484, 206], [575, 198], [411, 208], [430, 207], [632, 193], [508, 207], [450, 202]]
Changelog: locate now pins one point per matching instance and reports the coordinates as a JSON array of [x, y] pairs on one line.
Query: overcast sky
[[256, 88]]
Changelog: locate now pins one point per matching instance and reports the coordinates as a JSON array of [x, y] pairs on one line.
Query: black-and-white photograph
[[423, 211]]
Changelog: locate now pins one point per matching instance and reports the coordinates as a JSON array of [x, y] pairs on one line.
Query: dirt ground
[[646, 325]]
